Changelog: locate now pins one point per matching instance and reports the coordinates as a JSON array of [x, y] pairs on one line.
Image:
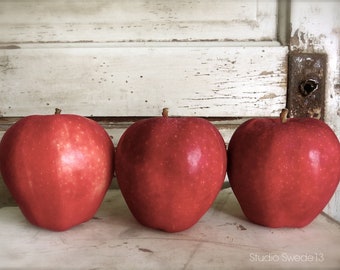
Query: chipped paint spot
[[269, 96], [265, 73], [309, 43], [5, 64], [145, 250], [9, 47]]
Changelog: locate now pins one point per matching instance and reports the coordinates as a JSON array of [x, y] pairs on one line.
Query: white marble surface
[[222, 239]]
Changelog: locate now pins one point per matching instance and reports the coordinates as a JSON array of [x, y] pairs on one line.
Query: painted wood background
[[132, 58], [137, 20], [141, 80]]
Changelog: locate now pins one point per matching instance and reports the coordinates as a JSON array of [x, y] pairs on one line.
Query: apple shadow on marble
[[227, 203]]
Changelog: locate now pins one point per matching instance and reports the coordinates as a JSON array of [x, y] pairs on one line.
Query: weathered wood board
[[140, 80], [138, 20]]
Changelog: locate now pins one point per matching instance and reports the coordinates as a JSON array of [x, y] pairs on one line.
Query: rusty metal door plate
[[306, 84]]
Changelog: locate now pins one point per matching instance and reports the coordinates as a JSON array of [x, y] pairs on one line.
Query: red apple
[[283, 171], [170, 170], [57, 168]]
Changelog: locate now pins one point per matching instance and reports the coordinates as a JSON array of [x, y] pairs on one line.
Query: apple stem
[[57, 111], [283, 115], [165, 112]]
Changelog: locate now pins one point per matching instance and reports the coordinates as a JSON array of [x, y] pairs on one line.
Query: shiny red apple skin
[[170, 170], [283, 174], [57, 168]]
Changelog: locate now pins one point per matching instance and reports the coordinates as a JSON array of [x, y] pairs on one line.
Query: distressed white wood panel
[[140, 81], [136, 20]]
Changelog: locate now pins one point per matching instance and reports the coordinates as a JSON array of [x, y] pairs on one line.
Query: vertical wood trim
[[283, 25]]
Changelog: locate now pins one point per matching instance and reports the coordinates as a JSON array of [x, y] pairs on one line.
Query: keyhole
[[308, 86]]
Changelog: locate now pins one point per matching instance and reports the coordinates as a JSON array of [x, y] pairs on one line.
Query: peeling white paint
[[140, 81], [139, 20]]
